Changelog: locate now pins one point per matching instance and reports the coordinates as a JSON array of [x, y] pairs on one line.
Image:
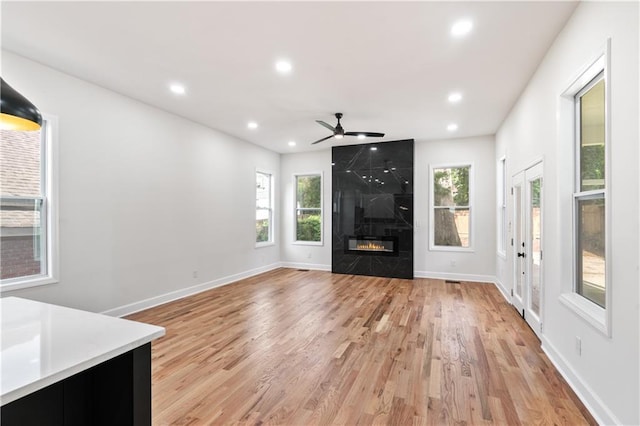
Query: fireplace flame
[[370, 246]]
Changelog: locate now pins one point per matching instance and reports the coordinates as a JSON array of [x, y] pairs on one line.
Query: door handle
[[521, 254]]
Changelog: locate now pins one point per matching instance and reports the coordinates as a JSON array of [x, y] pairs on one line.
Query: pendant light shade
[[16, 112]]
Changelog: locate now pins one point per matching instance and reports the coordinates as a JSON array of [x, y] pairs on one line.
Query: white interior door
[[517, 294], [528, 232]]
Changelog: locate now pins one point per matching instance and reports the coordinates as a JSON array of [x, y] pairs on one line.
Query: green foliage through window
[[309, 208]]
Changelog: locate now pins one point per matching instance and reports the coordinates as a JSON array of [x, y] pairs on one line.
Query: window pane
[[451, 186], [308, 225], [308, 192], [263, 220], [21, 238], [451, 227], [591, 250], [263, 190], [20, 163], [536, 249], [22, 230], [592, 138]]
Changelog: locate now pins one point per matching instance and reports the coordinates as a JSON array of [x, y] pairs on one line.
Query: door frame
[[522, 304]]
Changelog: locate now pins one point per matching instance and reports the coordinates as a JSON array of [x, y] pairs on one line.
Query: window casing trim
[[432, 207], [598, 317], [49, 164], [271, 211], [296, 209], [501, 205]]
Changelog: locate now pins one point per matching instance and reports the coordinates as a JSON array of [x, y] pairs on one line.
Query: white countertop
[[43, 344]]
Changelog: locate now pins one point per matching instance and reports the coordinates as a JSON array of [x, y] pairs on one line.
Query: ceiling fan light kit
[[339, 133]]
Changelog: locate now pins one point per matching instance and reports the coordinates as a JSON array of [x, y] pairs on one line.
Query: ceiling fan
[[338, 131]]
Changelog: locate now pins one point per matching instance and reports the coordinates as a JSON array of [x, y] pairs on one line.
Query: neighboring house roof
[[20, 156]]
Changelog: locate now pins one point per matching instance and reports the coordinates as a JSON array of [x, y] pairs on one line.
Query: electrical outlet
[[578, 346], [195, 274]]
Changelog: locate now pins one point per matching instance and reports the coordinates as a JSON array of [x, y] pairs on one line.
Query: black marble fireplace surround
[[373, 209]]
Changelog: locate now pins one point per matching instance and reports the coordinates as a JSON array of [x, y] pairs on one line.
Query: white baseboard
[[589, 398], [502, 290], [313, 266], [184, 292], [455, 277]]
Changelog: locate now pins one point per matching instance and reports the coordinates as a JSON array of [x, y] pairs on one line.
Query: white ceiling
[[388, 66]]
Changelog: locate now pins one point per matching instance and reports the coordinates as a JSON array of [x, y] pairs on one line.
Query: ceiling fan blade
[[328, 126], [320, 140], [367, 134]]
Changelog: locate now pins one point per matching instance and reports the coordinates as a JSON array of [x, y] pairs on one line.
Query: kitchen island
[[63, 366]]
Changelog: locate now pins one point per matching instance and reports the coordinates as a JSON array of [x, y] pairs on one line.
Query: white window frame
[[501, 225], [49, 184], [595, 315], [297, 209], [432, 245], [270, 209]]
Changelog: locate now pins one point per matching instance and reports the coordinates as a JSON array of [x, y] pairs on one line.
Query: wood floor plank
[[308, 347]]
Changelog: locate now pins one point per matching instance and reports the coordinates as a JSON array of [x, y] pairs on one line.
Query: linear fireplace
[[371, 245]]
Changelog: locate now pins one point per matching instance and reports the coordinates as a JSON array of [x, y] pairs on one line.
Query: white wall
[[479, 264], [297, 254], [476, 265], [606, 374], [146, 197]]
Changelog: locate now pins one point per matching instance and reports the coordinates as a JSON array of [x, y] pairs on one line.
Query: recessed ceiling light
[[361, 136], [178, 89], [452, 127], [292, 143], [461, 28], [373, 148], [284, 67], [338, 136], [252, 125], [455, 97]]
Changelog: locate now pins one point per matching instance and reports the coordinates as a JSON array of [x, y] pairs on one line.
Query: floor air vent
[[451, 282]]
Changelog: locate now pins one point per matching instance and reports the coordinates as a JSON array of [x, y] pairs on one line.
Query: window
[[264, 208], [28, 238], [502, 207], [309, 208], [590, 192], [451, 207]]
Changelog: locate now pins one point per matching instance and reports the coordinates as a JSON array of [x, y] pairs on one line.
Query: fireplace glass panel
[[376, 245]]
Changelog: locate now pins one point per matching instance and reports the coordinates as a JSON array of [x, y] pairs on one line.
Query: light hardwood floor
[[309, 347]]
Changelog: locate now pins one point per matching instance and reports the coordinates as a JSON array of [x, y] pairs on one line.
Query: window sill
[[21, 283], [265, 244], [587, 310], [308, 243], [452, 248]]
